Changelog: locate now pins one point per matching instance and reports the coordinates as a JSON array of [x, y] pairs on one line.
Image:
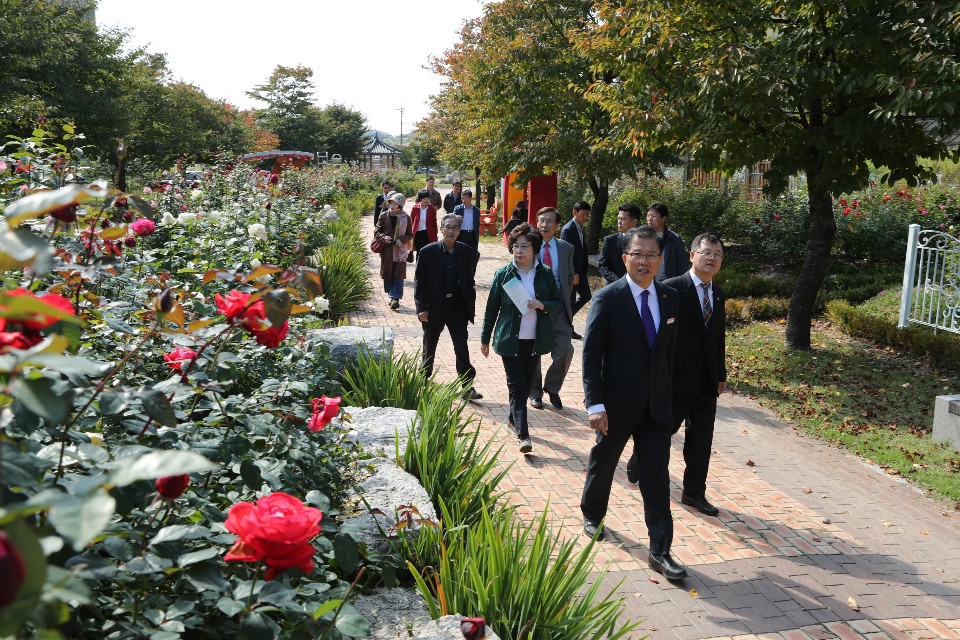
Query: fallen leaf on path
[[886, 524], [807, 490], [926, 533], [826, 521], [751, 463], [816, 539], [853, 604], [694, 593], [654, 581]]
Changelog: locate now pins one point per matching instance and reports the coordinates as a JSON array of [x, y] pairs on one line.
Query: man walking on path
[[469, 220], [445, 295], [558, 255], [700, 372], [611, 254], [435, 198], [628, 358], [381, 202], [454, 198], [574, 232]]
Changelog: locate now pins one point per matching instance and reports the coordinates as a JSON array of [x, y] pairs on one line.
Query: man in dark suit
[[611, 254], [574, 233], [700, 371], [381, 202], [454, 198], [445, 294], [469, 220], [558, 255], [628, 353]]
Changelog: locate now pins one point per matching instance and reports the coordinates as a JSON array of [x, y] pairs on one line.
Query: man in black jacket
[[380, 204], [628, 354], [575, 233], [700, 372], [445, 295], [455, 197], [611, 254]]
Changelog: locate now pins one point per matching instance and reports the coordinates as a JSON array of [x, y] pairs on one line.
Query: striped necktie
[[707, 307]]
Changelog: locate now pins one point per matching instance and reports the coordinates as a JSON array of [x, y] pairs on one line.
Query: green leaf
[[119, 325], [159, 464], [69, 128], [80, 519], [38, 396], [251, 475], [180, 532], [112, 402], [158, 407], [206, 577], [317, 499], [346, 553], [229, 606], [277, 305], [257, 626], [325, 608], [188, 559], [69, 364], [41, 202], [21, 248], [353, 625]]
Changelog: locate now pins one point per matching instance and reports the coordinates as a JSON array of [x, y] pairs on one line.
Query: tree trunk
[[820, 235], [601, 196]]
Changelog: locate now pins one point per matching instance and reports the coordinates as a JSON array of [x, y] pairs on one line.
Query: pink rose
[[143, 227], [324, 410], [178, 357]]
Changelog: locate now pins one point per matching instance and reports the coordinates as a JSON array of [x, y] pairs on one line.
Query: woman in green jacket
[[520, 338]]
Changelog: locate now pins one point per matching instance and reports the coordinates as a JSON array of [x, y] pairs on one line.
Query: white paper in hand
[[518, 295]]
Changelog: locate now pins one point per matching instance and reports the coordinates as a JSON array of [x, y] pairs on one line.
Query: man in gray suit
[[558, 255]]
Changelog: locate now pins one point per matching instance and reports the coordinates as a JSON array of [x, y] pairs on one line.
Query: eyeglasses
[[642, 257], [716, 255], [452, 227], [524, 247]]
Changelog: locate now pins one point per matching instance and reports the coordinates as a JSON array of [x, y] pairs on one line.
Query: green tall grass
[[389, 381], [522, 580]]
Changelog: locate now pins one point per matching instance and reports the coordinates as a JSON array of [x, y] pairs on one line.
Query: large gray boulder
[[377, 429], [347, 341]]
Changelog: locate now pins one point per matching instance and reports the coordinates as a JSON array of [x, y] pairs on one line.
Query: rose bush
[[148, 389]]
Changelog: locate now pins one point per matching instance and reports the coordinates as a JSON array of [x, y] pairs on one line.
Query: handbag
[[377, 246]]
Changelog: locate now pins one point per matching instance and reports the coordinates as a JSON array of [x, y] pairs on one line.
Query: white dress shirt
[[696, 283]]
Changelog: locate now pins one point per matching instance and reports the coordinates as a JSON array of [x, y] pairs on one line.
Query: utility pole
[[401, 125]]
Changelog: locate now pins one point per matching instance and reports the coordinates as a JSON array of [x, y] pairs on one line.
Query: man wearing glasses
[[629, 350], [445, 295]]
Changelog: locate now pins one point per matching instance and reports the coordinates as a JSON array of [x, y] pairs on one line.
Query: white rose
[[321, 304], [187, 217], [254, 263], [196, 194], [326, 207], [257, 231], [214, 216], [330, 216], [168, 219]]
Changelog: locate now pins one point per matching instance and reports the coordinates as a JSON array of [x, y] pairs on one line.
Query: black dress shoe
[[591, 529], [700, 504], [555, 400], [472, 394], [633, 468], [536, 403], [667, 566], [576, 336]]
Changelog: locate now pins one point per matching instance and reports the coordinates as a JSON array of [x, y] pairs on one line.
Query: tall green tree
[[345, 131], [820, 88], [514, 97]]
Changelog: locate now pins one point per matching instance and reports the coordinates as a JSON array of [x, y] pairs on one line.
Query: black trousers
[[652, 444], [580, 294], [469, 238], [420, 240], [520, 372], [700, 412], [453, 316]]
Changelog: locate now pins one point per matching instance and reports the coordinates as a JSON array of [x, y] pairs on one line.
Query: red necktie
[[547, 260]]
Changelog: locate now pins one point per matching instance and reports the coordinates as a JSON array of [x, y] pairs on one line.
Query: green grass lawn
[[871, 400]]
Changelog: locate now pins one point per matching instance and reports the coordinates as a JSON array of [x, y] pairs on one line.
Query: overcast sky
[[367, 54]]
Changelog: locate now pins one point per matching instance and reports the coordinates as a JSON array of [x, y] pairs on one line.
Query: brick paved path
[[803, 527]]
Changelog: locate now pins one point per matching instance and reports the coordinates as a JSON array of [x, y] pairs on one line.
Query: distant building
[[379, 155]]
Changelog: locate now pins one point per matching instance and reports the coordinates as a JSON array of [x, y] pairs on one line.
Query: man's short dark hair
[[430, 179], [386, 183], [466, 192], [423, 193], [708, 237], [660, 208], [581, 205], [631, 210], [457, 182], [556, 214], [641, 233], [525, 231]]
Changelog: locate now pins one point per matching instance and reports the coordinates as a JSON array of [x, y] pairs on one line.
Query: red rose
[[12, 570], [843, 202], [268, 206], [324, 410], [130, 241], [277, 529], [234, 306], [178, 357], [847, 211], [887, 197], [127, 216], [39, 320], [756, 220], [65, 214], [777, 217], [261, 329], [274, 178], [120, 203], [172, 487], [183, 207]]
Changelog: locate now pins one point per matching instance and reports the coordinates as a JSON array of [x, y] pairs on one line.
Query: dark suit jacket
[[428, 279], [675, 258], [565, 272], [580, 256], [378, 207], [698, 345], [450, 201], [619, 369], [611, 259]]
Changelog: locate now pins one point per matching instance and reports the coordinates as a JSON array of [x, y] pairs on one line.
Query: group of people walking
[[653, 347]]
